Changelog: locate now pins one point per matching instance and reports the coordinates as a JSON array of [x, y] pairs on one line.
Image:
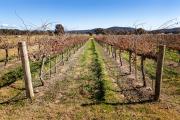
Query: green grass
[[89, 82], [171, 74], [15, 77], [10, 58], [150, 65], [96, 68], [17, 73], [172, 55], [110, 96], [11, 77]]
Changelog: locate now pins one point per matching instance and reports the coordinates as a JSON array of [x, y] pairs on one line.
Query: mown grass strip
[[103, 85], [110, 95], [97, 71]]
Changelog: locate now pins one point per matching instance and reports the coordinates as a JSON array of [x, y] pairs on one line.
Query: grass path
[[87, 87]]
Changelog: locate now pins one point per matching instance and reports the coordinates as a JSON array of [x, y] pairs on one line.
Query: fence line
[[111, 50], [26, 66]]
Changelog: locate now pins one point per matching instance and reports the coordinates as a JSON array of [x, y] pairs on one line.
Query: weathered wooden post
[[7, 56], [26, 69], [74, 49], [62, 58], [41, 70], [159, 71], [55, 64], [67, 54], [115, 54], [111, 51], [106, 48], [18, 53], [50, 66], [130, 62], [120, 57], [77, 47], [143, 71]]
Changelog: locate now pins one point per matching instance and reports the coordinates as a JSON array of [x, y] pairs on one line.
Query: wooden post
[[120, 57], [159, 71], [69, 52], [106, 48], [130, 62], [7, 56], [39, 45], [41, 70], [77, 47], [135, 59], [18, 53], [111, 51], [135, 66], [55, 64], [62, 57], [50, 72], [26, 69], [115, 55], [143, 71], [74, 49], [67, 55]]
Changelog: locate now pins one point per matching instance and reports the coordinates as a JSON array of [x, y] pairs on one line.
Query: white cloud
[[5, 25]]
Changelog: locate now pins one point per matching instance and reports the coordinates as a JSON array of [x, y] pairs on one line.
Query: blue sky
[[87, 14]]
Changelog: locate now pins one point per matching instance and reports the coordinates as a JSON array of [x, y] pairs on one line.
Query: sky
[[88, 14]]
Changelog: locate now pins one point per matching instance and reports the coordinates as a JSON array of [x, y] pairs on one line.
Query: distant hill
[[123, 30], [166, 31], [80, 31], [120, 30], [107, 30]]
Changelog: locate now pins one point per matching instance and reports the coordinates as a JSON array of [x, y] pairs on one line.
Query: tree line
[[59, 29]]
